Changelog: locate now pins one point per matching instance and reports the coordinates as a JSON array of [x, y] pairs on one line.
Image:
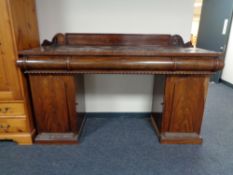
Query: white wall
[[228, 69], [116, 93]]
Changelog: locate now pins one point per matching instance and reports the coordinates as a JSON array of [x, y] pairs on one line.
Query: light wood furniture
[[18, 31], [51, 70]]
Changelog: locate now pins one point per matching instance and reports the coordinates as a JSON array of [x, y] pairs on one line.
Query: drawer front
[[11, 109], [13, 125]]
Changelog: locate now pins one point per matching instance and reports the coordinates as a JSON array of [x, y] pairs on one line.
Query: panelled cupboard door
[[9, 75]]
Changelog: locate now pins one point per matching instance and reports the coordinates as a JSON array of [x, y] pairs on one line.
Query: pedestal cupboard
[[18, 31]]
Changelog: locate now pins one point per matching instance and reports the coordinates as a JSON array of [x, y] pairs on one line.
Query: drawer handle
[[4, 110], [4, 127]]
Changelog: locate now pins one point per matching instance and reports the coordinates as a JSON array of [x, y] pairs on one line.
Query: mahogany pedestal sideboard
[[51, 71]]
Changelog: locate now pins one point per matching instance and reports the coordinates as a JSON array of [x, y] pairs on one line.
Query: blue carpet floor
[[128, 146]]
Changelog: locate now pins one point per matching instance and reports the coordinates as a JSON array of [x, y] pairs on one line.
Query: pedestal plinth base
[[174, 137], [57, 138]]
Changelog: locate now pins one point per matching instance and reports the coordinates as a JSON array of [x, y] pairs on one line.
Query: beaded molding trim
[[121, 72]]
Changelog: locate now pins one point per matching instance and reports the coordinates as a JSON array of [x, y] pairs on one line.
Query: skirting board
[[118, 114], [226, 83]]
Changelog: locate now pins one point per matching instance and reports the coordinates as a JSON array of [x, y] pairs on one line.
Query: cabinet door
[[54, 103], [9, 75], [184, 103]]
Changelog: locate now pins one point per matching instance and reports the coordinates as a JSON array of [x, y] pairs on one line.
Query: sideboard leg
[[184, 101]]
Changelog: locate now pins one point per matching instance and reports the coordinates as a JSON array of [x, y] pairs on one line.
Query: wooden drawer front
[[11, 109], [13, 125]]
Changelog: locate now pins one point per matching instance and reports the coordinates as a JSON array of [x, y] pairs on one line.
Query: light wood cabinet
[[18, 31]]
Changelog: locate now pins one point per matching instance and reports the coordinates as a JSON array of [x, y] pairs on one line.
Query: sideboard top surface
[[71, 50], [92, 44], [125, 53]]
